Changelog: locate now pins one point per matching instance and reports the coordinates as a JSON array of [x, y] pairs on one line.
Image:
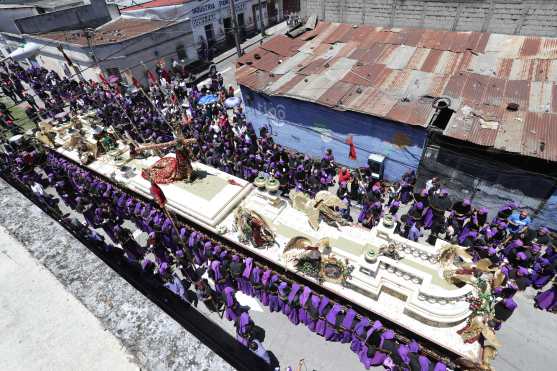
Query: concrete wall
[[92, 15], [8, 17], [522, 17], [312, 128], [547, 215], [492, 184]]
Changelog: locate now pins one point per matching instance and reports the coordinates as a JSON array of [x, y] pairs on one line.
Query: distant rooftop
[[156, 4], [396, 73], [114, 31], [46, 4]]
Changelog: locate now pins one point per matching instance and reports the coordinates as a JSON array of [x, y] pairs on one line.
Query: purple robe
[[293, 312], [346, 325], [230, 303], [242, 329], [331, 332], [358, 338], [247, 287], [302, 312], [321, 322], [265, 295], [547, 300]]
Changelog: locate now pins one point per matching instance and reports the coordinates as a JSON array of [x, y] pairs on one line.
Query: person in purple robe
[[547, 300], [460, 212], [503, 311], [244, 326], [232, 308]]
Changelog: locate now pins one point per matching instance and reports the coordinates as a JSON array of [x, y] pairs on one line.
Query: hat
[[163, 268], [483, 210], [510, 304], [521, 256], [466, 202]]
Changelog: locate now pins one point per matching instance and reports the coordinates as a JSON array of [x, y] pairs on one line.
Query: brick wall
[[524, 17]]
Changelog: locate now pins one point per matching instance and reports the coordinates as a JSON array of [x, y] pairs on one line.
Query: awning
[[27, 50]]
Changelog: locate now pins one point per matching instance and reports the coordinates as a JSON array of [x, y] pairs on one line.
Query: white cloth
[[37, 189]]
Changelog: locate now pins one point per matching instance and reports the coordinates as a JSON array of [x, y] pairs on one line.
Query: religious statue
[[324, 207], [169, 169], [252, 228]]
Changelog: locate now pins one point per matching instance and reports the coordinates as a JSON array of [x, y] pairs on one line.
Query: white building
[[211, 19], [124, 44]]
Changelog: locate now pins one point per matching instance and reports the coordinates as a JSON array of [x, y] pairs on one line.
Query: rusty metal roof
[[395, 73], [115, 31]]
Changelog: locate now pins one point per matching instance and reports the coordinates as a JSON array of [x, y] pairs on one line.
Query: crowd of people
[[227, 141], [176, 256]]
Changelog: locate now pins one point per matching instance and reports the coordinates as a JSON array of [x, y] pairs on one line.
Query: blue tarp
[[207, 99]]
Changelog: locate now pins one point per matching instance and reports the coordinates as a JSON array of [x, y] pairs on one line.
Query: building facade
[[118, 47], [211, 20], [10, 12]]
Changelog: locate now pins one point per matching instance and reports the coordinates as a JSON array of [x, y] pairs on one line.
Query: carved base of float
[[410, 292]]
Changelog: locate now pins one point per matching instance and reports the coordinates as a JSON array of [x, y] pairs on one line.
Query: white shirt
[[429, 184], [37, 189]]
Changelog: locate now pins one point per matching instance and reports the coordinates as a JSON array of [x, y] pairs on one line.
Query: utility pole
[[89, 34], [235, 27], [261, 21]]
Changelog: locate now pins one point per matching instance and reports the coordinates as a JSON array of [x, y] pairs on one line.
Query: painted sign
[[203, 20], [214, 5], [207, 13]]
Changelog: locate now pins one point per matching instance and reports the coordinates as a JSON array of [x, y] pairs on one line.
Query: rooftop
[[156, 4], [46, 4], [396, 73], [115, 31]]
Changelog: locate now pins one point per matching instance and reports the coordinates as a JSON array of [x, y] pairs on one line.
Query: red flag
[[157, 194], [352, 151], [103, 79], [151, 77], [233, 182]]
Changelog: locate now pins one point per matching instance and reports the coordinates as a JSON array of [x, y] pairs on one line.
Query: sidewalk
[[271, 31], [43, 326]]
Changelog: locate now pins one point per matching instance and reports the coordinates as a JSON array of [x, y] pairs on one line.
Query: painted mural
[[312, 128]]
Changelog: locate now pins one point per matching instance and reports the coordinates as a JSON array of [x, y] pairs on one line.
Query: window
[[181, 52]]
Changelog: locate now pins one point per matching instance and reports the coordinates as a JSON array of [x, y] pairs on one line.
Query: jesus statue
[[169, 169]]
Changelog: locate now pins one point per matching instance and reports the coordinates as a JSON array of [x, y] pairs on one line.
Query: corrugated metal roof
[[282, 45], [395, 73], [118, 30]]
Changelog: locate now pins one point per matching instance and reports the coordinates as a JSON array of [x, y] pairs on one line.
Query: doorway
[[242, 25], [228, 30], [209, 33]]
